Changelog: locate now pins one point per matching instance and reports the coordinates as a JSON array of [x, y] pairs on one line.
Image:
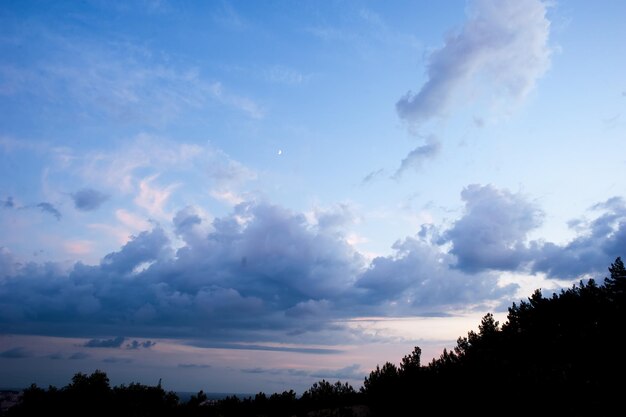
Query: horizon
[[242, 197]]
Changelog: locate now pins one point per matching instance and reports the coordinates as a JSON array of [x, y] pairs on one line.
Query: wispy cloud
[[16, 353], [415, 159], [242, 103], [193, 365], [153, 198], [117, 81]]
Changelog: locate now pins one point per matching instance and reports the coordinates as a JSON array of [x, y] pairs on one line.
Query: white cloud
[[153, 198], [503, 46], [244, 104]]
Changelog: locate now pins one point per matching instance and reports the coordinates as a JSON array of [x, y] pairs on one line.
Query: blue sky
[[246, 196]]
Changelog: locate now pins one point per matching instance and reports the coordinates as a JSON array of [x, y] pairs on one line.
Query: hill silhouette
[[560, 355]]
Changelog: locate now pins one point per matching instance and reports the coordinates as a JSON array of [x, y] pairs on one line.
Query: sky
[[253, 196]]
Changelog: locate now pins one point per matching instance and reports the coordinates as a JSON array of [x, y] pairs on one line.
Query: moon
[[280, 152]]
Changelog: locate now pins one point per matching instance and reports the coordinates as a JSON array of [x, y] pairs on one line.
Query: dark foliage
[[557, 356]]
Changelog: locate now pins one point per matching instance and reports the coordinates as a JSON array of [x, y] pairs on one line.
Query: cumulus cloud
[[598, 243], [49, 208], [416, 279], [105, 343], [505, 42], [251, 267], [88, 199], [147, 247], [492, 232], [417, 156]]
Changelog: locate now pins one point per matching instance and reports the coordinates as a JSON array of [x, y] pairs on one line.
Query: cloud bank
[[264, 273]]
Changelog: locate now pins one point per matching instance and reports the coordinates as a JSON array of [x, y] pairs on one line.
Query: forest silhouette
[[559, 355]]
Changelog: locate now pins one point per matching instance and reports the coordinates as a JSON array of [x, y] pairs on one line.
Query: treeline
[[92, 395], [561, 356]]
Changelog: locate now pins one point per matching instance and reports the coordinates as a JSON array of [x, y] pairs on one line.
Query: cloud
[[268, 348], [105, 343], [193, 365], [49, 208], [153, 198], [8, 265], [8, 203], [416, 279], [372, 176], [114, 359], [135, 345], [279, 74], [249, 268], [503, 42], [56, 356], [78, 356], [147, 247], [598, 243], [417, 156], [16, 353], [244, 104], [259, 274], [88, 199], [493, 230], [353, 372], [349, 372], [115, 81]]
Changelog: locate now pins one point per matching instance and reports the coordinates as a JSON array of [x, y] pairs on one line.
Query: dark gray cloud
[[136, 344], [16, 353], [49, 208], [88, 199], [417, 156], [78, 356], [105, 343], [493, 231], [503, 41]]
